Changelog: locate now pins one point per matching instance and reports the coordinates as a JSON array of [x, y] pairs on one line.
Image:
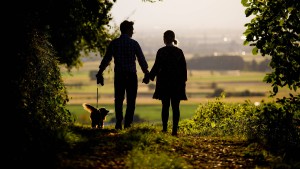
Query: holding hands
[[146, 78]]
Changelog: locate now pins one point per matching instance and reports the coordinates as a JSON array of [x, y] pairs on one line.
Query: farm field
[[201, 86], [145, 112]]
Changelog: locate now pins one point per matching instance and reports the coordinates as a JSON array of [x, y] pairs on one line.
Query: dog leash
[[97, 97]]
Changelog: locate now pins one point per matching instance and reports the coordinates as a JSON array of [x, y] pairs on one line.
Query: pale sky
[[181, 14]]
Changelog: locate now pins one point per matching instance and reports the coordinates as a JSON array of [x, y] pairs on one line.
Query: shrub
[[271, 124]]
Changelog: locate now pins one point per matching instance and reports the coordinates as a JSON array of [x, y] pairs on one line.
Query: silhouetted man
[[125, 51]]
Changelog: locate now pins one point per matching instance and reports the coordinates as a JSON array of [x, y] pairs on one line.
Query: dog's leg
[[101, 125], [94, 125]]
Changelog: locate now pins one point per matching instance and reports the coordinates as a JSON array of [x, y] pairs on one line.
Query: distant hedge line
[[226, 63]]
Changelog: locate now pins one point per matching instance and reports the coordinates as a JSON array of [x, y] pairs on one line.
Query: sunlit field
[[200, 87], [146, 112]]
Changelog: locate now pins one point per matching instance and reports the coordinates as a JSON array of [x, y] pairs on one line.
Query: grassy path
[[130, 148]]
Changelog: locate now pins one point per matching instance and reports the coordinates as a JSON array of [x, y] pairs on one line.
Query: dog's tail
[[88, 107]]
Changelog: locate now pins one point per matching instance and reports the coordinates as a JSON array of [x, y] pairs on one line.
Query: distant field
[[200, 85]]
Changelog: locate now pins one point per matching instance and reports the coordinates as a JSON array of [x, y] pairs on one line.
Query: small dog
[[97, 116]]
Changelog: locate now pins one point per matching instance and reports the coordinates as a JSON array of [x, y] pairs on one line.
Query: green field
[[82, 88], [147, 112]]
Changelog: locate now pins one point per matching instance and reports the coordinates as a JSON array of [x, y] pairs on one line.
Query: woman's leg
[[165, 113], [176, 115]]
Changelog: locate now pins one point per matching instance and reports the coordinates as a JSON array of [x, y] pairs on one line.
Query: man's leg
[[119, 98], [131, 94]]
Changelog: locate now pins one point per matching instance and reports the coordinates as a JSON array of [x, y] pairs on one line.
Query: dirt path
[[105, 150]]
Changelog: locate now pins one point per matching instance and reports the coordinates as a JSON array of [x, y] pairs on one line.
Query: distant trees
[[275, 31], [226, 63], [216, 63]]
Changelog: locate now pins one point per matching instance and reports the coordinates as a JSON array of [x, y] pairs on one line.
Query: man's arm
[[141, 59], [143, 63], [106, 59], [104, 63]]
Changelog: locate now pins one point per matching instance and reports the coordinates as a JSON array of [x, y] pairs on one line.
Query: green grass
[[149, 113]]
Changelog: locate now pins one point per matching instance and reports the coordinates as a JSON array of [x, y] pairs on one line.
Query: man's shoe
[[118, 127]]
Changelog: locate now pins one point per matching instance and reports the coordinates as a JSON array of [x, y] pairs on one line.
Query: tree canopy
[[274, 30], [71, 26]]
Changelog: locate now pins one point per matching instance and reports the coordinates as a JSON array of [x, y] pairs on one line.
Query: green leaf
[[213, 124], [275, 89], [247, 32], [281, 22], [295, 87], [267, 79], [246, 43], [255, 51], [245, 3], [290, 9], [248, 12]]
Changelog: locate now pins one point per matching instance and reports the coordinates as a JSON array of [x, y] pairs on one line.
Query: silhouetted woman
[[171, 75]]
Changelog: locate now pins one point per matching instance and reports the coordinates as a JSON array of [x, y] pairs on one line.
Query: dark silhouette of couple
[[169, 70]]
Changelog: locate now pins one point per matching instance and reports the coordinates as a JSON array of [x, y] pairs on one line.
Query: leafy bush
[[39, 112], [219, 119], [270, 124], [278, 123]]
